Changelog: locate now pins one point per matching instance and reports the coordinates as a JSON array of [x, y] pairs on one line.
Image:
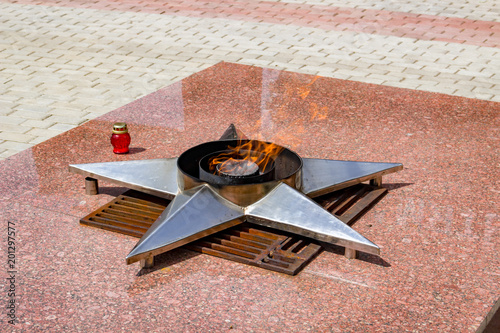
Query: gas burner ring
[[237, 168], [255, 174]]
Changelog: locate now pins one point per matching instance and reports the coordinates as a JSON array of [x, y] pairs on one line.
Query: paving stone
[[12, 128], [16, 137], [6, 100], [372, 77], [11, 120], [5, 111], [62, 127], [369, 79], [14, 146], [496, 97], [29, 114], [43, 132], [39, 139], [37, 123]]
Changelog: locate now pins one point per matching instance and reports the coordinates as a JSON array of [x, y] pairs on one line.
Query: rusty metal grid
[[132, 213]]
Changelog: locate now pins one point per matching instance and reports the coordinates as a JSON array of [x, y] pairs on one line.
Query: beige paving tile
[[62, 127], [16, 137], [11, 120], [14, 146], [43, 132]]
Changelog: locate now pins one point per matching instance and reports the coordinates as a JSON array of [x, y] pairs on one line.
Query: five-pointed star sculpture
[[201, 211]]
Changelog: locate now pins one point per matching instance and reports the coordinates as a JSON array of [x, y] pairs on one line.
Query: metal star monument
[[199, 208]]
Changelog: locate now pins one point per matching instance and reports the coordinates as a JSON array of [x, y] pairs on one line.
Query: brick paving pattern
[[65, 62]]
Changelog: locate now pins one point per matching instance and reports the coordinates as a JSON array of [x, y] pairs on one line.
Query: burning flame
[[279, 128], [258, 152], [317, 112], [304, 91], [295, 97]]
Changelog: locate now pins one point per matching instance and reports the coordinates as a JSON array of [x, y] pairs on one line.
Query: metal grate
[[132, 213], [351, 203], [261, 247]]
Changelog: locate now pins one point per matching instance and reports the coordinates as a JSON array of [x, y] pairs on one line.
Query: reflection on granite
[[438, 234]]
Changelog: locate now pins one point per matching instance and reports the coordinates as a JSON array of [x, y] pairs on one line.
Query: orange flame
[[317, 112], [304, 91], [283, 129], [258, 152]]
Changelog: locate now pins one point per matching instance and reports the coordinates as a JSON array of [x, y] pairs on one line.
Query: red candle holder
[[120, 139]]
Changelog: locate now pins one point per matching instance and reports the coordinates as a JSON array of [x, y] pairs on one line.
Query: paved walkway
[[65, 62]]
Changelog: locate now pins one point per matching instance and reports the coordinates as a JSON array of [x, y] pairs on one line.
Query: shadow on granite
[[169, 259], [136, 150], [112, 190], [395, 186], [366, 257]]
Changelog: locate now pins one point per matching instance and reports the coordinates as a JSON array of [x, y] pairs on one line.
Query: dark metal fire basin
[[241, 190], [202, 206]]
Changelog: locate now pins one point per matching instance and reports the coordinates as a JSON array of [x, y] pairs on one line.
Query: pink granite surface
[[439, 269]]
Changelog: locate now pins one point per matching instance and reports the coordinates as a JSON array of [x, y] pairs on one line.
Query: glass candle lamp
[[120, 139]]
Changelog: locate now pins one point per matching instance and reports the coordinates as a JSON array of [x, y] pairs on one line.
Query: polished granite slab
[[437, 228]]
